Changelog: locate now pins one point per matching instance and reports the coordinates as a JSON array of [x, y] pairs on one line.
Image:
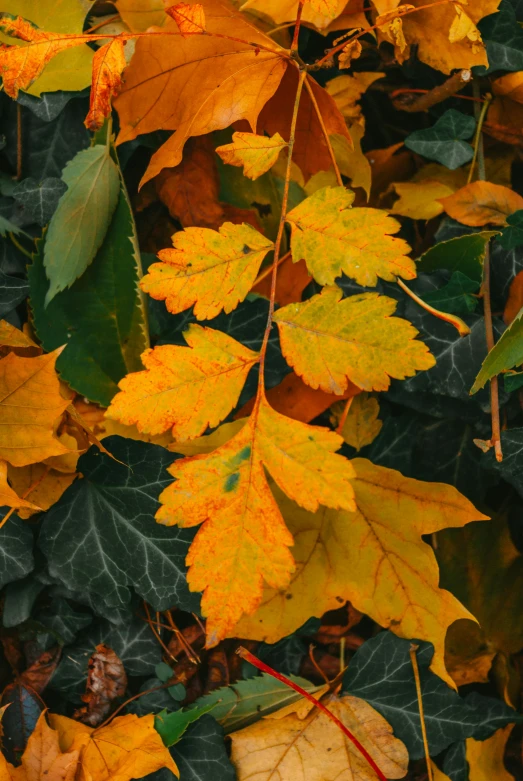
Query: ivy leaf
[[455, 297], [333, 238], [328, 341], [512, 235], [79, 224], [510, 468], [201, 754], [381, 673], [503, 39], [12, 292], [255, 153], [505, 354], [40, 199], [445, 140], [16, 551], [100, 319], [101, 535], [244, 540], [185, 389], [465, 254]]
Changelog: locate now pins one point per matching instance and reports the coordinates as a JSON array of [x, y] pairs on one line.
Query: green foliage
[[445, 141]]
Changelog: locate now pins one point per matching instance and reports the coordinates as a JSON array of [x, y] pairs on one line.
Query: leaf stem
[[344, 415], [279, 677], [279, 236], [457, 322], [297, 25], [415, 668], [264, 274], [478, 141], [324, 131]]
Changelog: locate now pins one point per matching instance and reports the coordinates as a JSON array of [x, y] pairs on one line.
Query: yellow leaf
[[329, 341], [485, 757], [47, 485], [244, 540], [185, 389], [190, 18], [70, 70], [128, 747], [372, 558], [463, 27], [481, 203], [108, 65], [209, 442], [362, 425], [308, 746], [352, 51], [190, 67], [13, 337], [420, 200], [320, 13], [214, 270], [352, 162], [30, 407], [139, 15], [256, 153], [347, 91], [42, 758], [393, 32], [8, 497], [333, 238]]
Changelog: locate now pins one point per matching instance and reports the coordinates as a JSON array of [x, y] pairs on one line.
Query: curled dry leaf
[[108, 65], [106, 681]]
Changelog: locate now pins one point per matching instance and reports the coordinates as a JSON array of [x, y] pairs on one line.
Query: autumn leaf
[[20, 66], [255, 153], [42, 758], [486, 757], [8, 497], [329, 341], [185, 389], [213, 270], [128, 747], [139, 15], [300, 743], [352, 51], [333, 238], [371, 558], [190, 67], [362, 425], [108, 65], [30, 407], [40, 484], [106, 681], [481, 203], [228, 493], [317, 12], [190, 18]]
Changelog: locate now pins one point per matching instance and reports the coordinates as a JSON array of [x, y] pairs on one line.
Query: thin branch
[[279, 677], [415, 668], [430, 98], [297, 25], [324, 131], [264, 274], [457, 322], [156, 633], [478, 139]]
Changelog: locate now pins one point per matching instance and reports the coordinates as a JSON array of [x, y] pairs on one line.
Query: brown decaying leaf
[[108, 65], [106, 681], [515, 299], [40, 672]]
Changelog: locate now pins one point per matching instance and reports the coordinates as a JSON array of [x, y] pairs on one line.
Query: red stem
[[266, 669]]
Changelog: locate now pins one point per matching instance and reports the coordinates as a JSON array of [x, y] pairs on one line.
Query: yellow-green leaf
[[256, 153]]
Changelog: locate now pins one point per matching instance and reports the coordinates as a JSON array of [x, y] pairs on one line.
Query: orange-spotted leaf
[[256, 153], [21, 65], [243, 541], [481, 203], [214, 270], [108, 65], [185, 389], [333, 238], [329, 341], [190, 18]]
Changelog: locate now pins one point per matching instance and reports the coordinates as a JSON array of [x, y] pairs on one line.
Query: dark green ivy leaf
[[101, 535], [445, 141], [462, 253], [503, 38], [511, 468], [171, 726], [63, 621], [381, 673], [39, 199], [512, 235], [19, 599], [12, 292], [455, 764], [455, 297], [16, 550]]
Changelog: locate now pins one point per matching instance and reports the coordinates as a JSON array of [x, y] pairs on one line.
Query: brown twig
[[415, 668], [156, 633], [297, 25], [264, 274], [431, 97]]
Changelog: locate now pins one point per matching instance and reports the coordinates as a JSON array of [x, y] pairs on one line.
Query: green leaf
[[445, 141], [39, 199], [200, 755], [63, 621], [12, 292], [16, 550], [80, 222], [101, 535], [171, 726], [455, 764], [511, 468], [455, 297], [380, 672], [464, 253], [100, 319], [503, 38], [245, 702], [505, 354], [512, 381], [512, 235], [19, 600]]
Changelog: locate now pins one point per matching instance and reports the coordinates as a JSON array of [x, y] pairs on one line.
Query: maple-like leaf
[[108, 65], [256, 153], [20, 66], [329, 341], [42, 758], [301, 743], [190, 18], [333, 238], [362, 425], [8, 497], [320, 13], [213, 270], [481, 203], [44, 485], [30, 407], [185, 389], [128, 747], [373, 558], [244, 540], [200, 79]]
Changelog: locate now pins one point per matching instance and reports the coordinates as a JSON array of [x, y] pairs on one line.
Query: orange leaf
[[515, 299], [189, 18], [21, 65], [108, 64], [106, 681], [8, 497], [481, 203], [42, 758], [293, 278]]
